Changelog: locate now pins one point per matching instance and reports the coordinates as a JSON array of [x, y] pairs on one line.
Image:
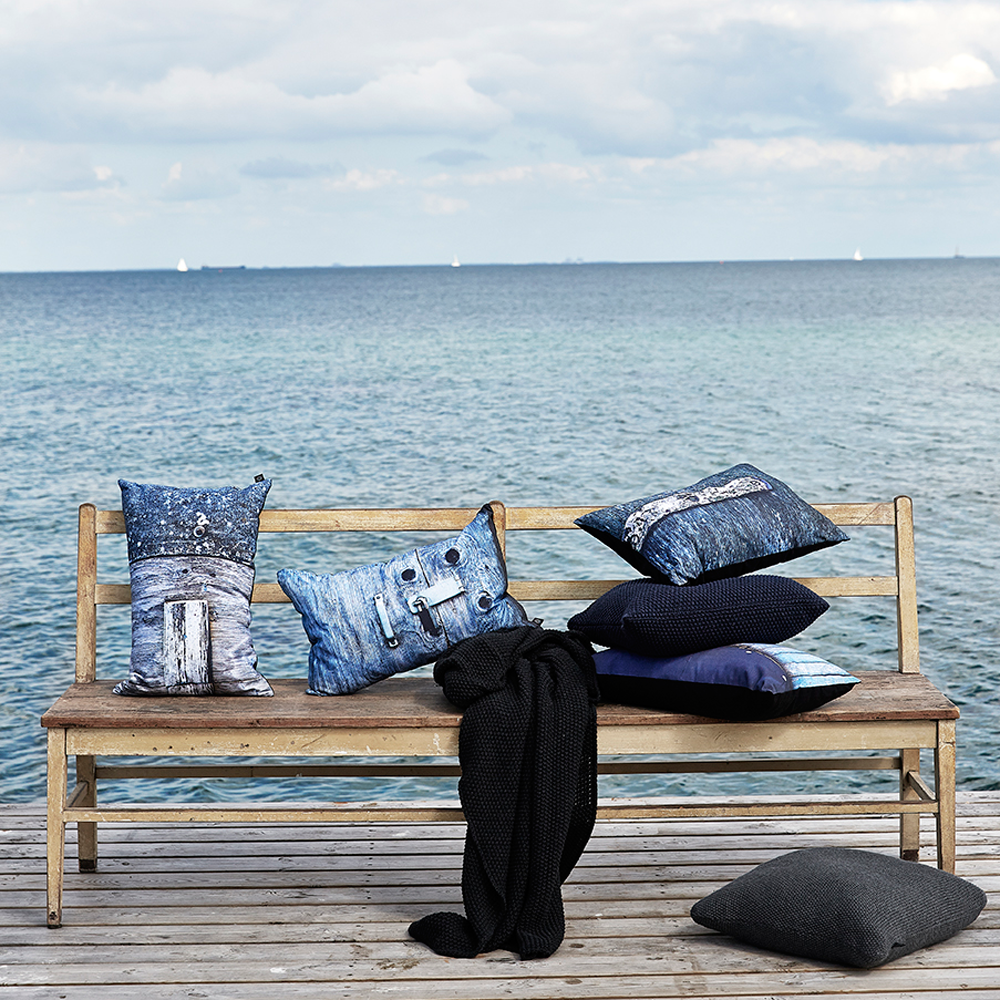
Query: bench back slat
[[908, 639], [897, 513]]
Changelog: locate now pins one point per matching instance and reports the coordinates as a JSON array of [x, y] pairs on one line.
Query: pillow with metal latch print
[[374, 621], [727, 524], [191, 564]]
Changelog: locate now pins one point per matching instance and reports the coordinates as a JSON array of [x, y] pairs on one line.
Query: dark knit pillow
[[659, 619], [842, 905], [728, 524], [747, 681]]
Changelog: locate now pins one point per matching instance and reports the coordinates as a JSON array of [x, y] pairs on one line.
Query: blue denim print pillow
[[743, 682], [727, 524], [191, 553], [378, 620]]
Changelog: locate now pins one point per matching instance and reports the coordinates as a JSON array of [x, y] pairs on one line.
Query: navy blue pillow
[[659, 619], [744, 682], [727, 524], [842, 905]]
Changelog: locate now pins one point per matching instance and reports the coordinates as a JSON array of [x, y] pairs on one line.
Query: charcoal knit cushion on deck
[[842, 905], [528, 750], [660, 619]]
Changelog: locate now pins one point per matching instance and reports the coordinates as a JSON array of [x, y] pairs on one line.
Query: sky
[[401, 132]]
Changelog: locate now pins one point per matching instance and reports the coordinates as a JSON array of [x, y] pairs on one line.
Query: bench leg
[[58, 771], [86, 835], [909, 823], [944, 768]]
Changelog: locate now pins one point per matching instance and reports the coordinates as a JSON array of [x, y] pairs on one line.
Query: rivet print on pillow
[[374, 621]]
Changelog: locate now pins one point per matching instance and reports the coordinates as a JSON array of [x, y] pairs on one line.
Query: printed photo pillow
[[842, 905], [374, 621], [659, 619], [745, 682], [191, 563], [728, 524]]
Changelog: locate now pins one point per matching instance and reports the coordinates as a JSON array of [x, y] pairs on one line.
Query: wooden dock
[[236, 912]]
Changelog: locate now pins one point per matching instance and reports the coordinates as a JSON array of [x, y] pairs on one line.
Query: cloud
[[611, 77], [26, 167], [564, 173], [960, 72], [362, 180], [280, 168], [795, 155], [197, 184], [802, 161], [435, 204], [454, 157], [192, 103]]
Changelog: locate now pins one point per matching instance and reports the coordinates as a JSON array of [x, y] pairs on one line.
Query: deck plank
[[238, 912]]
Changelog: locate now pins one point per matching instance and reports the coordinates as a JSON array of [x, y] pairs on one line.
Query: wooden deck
[[236, 912]]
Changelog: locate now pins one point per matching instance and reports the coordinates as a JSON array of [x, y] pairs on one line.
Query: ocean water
[[530, 384]]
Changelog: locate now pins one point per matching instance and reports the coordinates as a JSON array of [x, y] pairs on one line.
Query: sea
[[535, 384]]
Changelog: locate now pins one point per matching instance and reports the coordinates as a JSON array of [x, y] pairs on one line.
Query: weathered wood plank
[[438, 979], [234, 962], [542, 990], [403, 702], [185, 643], [174, 912]]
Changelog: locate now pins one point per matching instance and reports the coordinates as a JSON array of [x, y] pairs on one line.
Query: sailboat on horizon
[[182, 265], [857, 254], [454, 261]]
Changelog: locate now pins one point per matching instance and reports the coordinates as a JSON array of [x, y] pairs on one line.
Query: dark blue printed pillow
[[374, 621], [659, 619], [191, 563], [727, 524], [741, 682]]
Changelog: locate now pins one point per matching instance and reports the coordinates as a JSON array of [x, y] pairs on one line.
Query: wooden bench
[[895, 710]]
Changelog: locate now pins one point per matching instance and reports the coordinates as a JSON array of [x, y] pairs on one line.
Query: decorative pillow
[[842, 905], [745, 681], [191, 554], [659, 619], [728, 524], [375, 621]]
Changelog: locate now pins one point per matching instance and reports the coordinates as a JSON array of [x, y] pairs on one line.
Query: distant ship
[[857, 254], [182, 265], [230, 267], [454, 261]]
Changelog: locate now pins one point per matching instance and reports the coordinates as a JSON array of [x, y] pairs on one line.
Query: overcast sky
[[261, 132]]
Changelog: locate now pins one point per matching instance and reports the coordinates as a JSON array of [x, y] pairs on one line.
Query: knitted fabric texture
[[528, 750], [659, 619]]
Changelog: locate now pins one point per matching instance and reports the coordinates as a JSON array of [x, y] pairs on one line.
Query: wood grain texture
[[247, 912]]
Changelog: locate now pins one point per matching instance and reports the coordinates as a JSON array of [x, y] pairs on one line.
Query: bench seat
[[404, 702]]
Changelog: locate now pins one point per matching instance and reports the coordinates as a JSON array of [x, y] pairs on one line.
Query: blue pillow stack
[[696, 635]]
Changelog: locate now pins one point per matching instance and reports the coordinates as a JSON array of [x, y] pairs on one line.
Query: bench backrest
[[897, 513]]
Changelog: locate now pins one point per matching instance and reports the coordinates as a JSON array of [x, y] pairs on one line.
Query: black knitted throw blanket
[[528, 750]]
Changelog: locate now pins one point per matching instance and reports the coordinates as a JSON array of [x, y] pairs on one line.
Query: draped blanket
[[528, 750]]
